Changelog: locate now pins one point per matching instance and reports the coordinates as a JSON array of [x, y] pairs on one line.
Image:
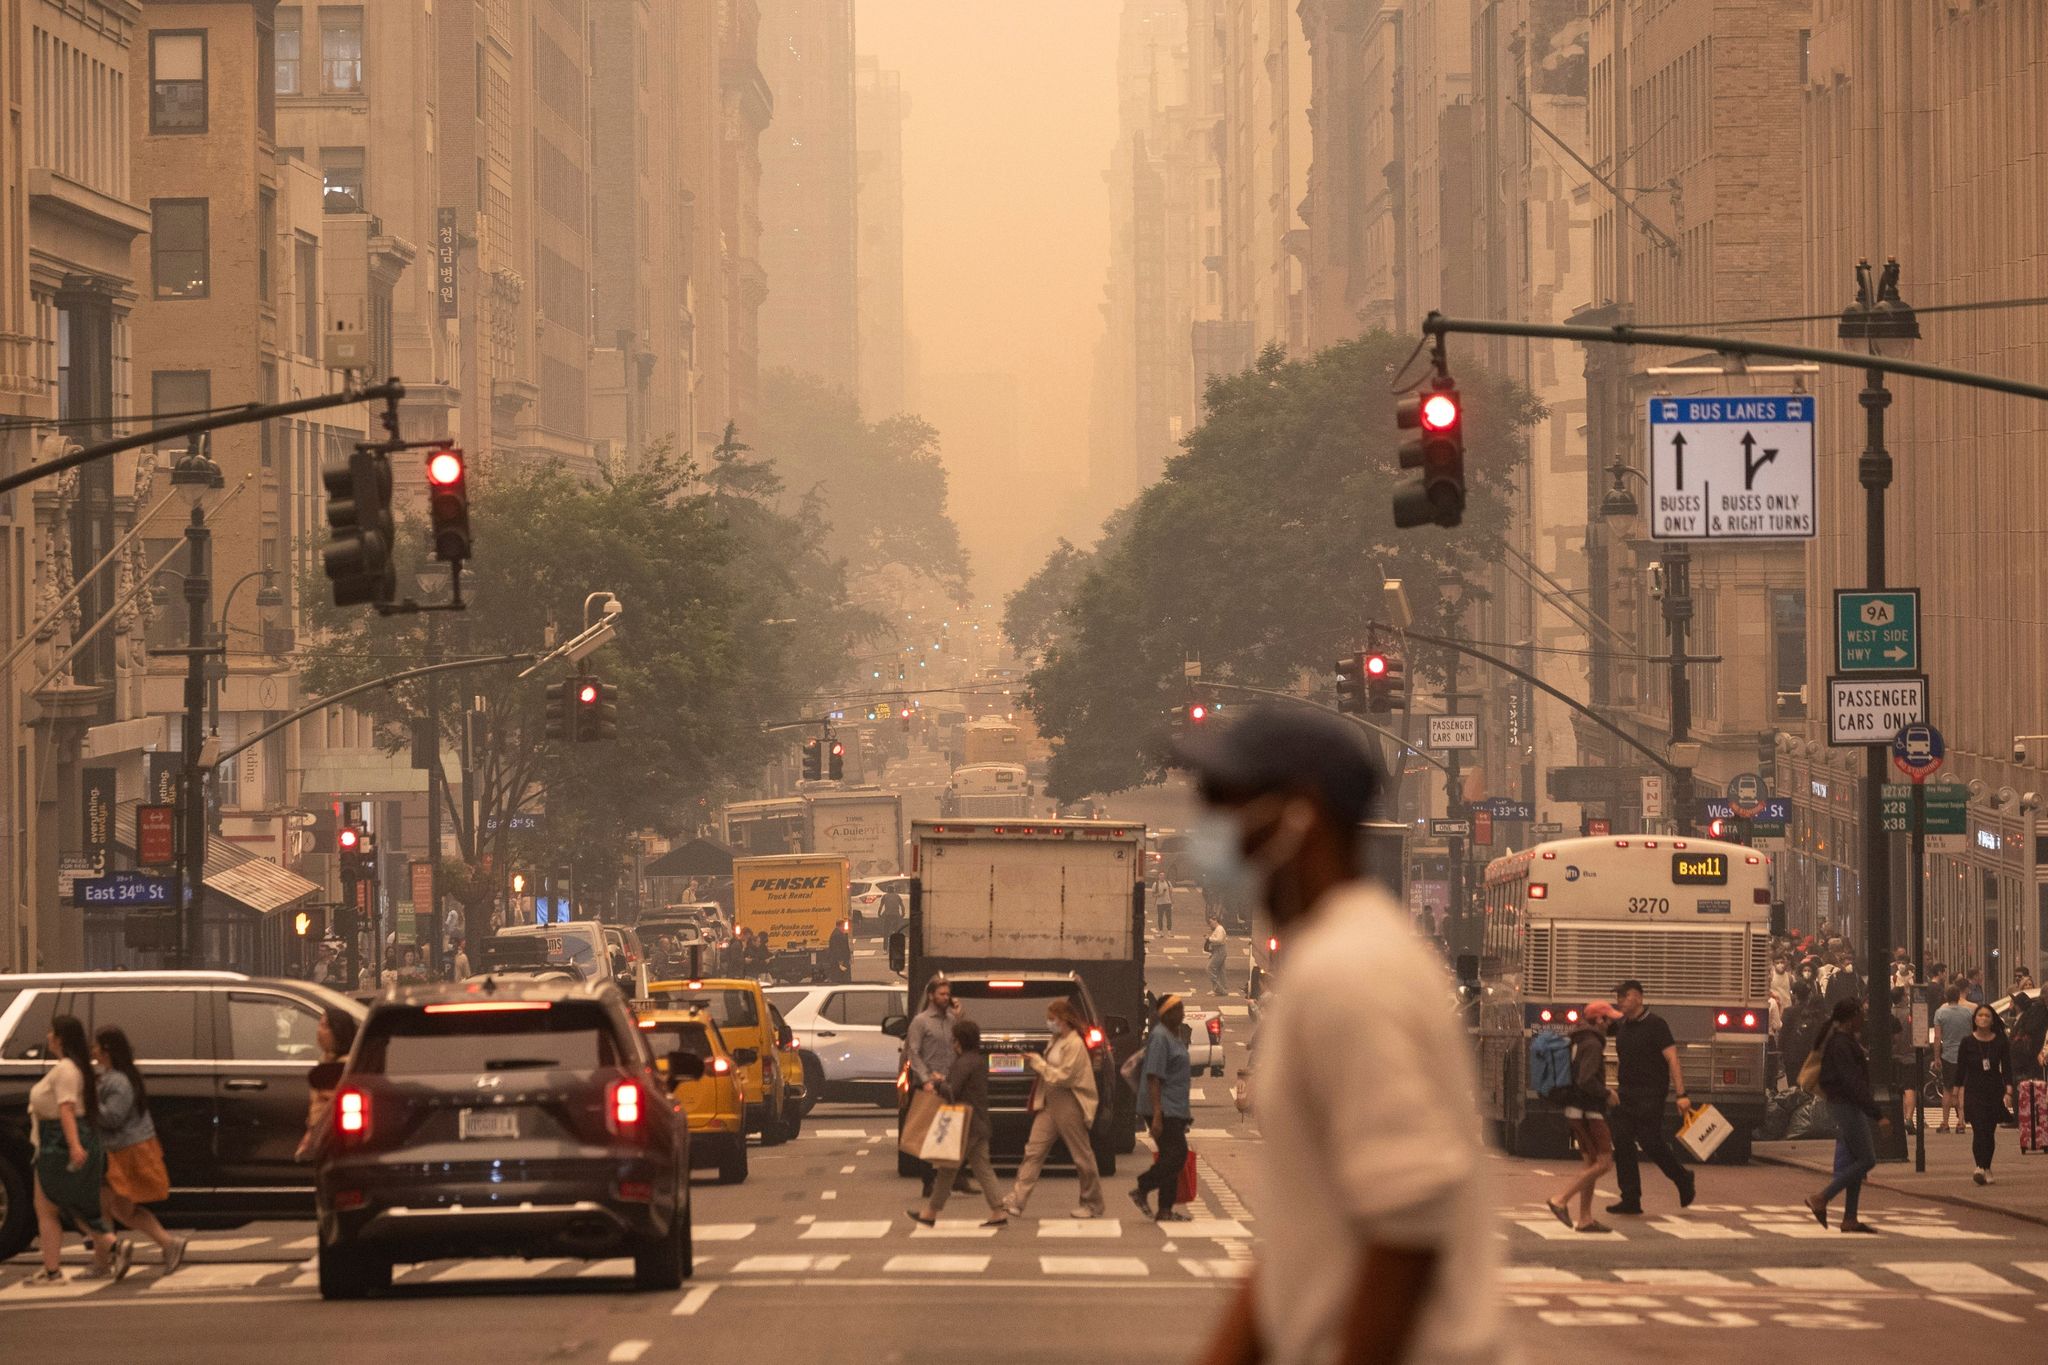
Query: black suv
[[225, 1058], [1010, 1007], [509, 1117]]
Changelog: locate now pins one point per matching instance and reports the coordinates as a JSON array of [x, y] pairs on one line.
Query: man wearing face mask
[[1380, 1244]]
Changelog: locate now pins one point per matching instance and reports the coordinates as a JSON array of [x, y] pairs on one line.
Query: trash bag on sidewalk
[[1777, 1119], [1811, 1119]]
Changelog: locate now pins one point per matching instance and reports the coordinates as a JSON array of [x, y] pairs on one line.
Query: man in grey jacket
[[929, 1048]]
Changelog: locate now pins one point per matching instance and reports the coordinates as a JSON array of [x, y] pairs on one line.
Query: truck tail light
[[623, 1108], [352, 1113]]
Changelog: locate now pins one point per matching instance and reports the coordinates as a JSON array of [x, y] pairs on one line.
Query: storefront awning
[[696, 858], [257, 883]]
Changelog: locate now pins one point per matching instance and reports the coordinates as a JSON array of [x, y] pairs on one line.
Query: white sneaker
[[1084, 1212], [1987, 1179], [1981, 1176]]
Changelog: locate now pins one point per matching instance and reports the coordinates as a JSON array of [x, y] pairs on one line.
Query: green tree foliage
[[1259, 552], [732, 617], [880, 485]]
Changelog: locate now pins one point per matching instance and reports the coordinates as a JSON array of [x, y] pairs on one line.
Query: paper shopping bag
[[946, 1143], [924, 1107], [1703, 1132]]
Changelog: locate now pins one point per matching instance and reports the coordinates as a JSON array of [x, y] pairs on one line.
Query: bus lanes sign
[[1873, 710]]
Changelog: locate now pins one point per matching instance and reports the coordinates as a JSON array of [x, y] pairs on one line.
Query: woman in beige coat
[[1066, 1100]]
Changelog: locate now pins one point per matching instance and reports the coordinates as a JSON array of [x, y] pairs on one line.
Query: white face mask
[[1217, 844]]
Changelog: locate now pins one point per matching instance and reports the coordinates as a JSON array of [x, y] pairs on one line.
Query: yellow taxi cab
[[743, 1015], [711, 1101], [789, 1055]]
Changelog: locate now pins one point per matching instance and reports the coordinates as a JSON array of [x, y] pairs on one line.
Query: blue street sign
[[1918, 751], [1772, 808], [126, 891]]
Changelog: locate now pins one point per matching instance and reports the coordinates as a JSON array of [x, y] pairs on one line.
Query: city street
[[814, 1253]]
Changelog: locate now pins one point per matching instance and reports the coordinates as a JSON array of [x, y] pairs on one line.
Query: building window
[[178, 247], [1788, 653], [288, 50], [180, 392], [341, 49], [266, 236], [342, 169], [177, 82], [306, 278]]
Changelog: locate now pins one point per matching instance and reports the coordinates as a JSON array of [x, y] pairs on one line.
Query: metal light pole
[[197, 478], [1888, 327], [1621, 502]]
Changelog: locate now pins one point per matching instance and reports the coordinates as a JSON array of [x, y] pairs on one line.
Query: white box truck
[[865, 827]]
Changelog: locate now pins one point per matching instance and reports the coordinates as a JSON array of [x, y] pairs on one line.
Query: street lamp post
[[197, 478], [1621, 502], [1889, 328]]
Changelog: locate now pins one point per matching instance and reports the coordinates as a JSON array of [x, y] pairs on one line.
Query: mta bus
[[1566, 922], [987, 791]]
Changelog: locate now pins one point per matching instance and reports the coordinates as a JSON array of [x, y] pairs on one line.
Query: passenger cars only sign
[[1732, 468]]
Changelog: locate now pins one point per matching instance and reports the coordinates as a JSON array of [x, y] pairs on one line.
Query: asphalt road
[[813, 1260]]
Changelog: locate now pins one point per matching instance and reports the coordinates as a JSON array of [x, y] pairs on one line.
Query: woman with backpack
[[1585, 1099]]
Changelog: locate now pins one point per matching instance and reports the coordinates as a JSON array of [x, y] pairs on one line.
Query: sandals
[[1559, 1212], [1816, 1207], [1595, 1226]]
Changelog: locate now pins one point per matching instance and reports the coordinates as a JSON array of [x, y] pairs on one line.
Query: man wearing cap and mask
[[1379, 1244], [1163, 1097]]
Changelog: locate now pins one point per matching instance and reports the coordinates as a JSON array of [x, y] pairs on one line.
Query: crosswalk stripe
[[848, 1231], [2038, 1269], [193, 1278], [936, 1265], [722, 1232], [1538, 1275], [1550, 1230], [787, 1265], [1216, 1269], [1674, 1278], [691, 1303], [1982, 1310], [1219, 1229], [1077, 1228], [1938, 1232], [1094, 1266], [954, 1227], [626, 1352], [1952, 1277], [1812, 1277], [455, 1271], [604, 1270], [1687, 1230]]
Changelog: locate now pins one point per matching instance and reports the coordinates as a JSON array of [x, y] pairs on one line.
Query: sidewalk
[[2021, 1190]]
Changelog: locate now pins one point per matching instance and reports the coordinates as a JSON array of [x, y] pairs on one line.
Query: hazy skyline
[[1012, 118]]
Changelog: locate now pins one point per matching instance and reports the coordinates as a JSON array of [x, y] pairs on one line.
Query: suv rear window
[[1013, 1009], [559, 1037], [573, 951]]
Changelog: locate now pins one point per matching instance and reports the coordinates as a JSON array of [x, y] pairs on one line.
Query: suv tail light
[[623, 1108], [352, 1113], [1094, 1038], [1215, 1026]]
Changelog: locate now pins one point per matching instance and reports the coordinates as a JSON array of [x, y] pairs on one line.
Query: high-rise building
[[809, 191], [1265, 149], [880, 109]]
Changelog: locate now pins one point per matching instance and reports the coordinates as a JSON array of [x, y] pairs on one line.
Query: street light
[[1677, 602], [1888, 326], [196, 478]]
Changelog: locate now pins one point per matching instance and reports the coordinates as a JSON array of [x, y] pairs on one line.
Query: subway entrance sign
[[1873, 710]]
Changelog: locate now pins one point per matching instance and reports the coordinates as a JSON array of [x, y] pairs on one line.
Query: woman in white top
[[1065, 1102], [69, 1162]]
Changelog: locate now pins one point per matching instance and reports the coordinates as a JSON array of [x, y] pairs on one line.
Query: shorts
[[1596, 1140], [1951, 1074]]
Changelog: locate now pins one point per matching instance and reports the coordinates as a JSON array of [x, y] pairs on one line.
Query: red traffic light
[[349, 839], [444, 468], [1198, 713], [587, 693], [1376, 665], [1439, 412]]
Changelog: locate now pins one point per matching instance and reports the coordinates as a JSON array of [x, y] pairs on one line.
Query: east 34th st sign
[[1732, 468]]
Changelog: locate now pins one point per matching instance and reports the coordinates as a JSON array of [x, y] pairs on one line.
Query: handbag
[[917, 1121], [1186, 1191], [1704, 1130], [945, 1144], [1809, 1070]]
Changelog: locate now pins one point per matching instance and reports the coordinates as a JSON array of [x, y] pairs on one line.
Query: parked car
[[224, 1057], [1204, 1029], [505, 1119], [868, 893], [846, 1054]]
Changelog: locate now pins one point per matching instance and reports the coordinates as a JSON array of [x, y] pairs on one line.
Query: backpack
[[1550, 1062]]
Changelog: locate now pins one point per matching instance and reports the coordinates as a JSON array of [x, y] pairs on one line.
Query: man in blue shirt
[[1163, 1090]]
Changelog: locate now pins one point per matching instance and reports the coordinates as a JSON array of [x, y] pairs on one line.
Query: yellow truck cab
[[743, 1016], [711, 1100]]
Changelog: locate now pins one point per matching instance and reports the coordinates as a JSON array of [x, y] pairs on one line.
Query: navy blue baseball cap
[[1287, 749]]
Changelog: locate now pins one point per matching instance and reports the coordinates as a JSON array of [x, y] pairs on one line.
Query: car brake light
[[648, 1023], [1272, 945], [345, 1200], [1571, 1016], [352, 1112], [1215, 1027], [1006, 985], [488, 1006], [1094, 1037], [719, 1066], [625, 1106], [637, 1191]]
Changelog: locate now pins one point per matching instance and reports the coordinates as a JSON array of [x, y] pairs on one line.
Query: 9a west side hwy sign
[[1732, 468], [1872, 710]]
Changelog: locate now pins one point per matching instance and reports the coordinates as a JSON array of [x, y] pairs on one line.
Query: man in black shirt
[[1647, 1070]]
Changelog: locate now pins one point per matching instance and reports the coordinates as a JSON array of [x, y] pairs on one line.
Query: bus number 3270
[[1649, 905]]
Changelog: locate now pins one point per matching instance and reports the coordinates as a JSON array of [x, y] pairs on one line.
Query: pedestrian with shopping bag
[[64, 1108], [1063, 1102], [1585, 1099], [928, 1052], [1984, 1060], [136, 1176], [1843, 1079], [960, 1132], [2030, 1072], [1164, 1083]]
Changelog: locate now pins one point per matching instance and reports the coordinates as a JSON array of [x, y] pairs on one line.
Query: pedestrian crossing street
[[1741, 1222]]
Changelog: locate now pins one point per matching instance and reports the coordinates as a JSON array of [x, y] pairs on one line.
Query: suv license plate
[[1006, 1064], [488, 1123]]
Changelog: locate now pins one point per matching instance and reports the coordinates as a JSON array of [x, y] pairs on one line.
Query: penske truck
[[792, 901]]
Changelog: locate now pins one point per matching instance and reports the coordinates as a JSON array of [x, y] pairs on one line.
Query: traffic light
[[311, 923], [357, 849], [1197, 712], [1351, 684], [1386, 682], [558, 717], [1376, 683], [597, 711], [1439, 452], [358, 561], [835, 767], [814, 755], [448, 504]]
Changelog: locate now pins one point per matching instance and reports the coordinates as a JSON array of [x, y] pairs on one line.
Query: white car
[[1205, 1041], [868, 893], [838, 1028]]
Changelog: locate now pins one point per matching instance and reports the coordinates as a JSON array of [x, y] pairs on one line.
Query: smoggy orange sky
[[1012, 119]]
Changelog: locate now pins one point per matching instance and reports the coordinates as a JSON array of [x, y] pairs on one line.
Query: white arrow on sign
[[1895, 654]]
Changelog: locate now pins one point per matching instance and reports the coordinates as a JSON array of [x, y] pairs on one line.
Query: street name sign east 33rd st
[[1732, 468]]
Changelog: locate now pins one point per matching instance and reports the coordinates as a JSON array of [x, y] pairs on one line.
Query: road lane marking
[[1094, 1266], [935, 1265], [616, 1266], [626, 1352], [1952, 1277], [847, 1170], [1813, 1278], [722, 1232], [689, 1304], [848, 1231], [857, 1134], [2038, 1269], [828, 1194], [1103, 1229], [1550, 1230], [193, 1278], [954, 1227], [1216, 1270], [787, 1265], [1698, 1232], [1681, 1279], [1985, 1310], [1538, 1275]]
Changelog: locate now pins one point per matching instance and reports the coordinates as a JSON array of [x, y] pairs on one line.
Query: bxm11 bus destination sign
[[1732, 468], [1699, 869]]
